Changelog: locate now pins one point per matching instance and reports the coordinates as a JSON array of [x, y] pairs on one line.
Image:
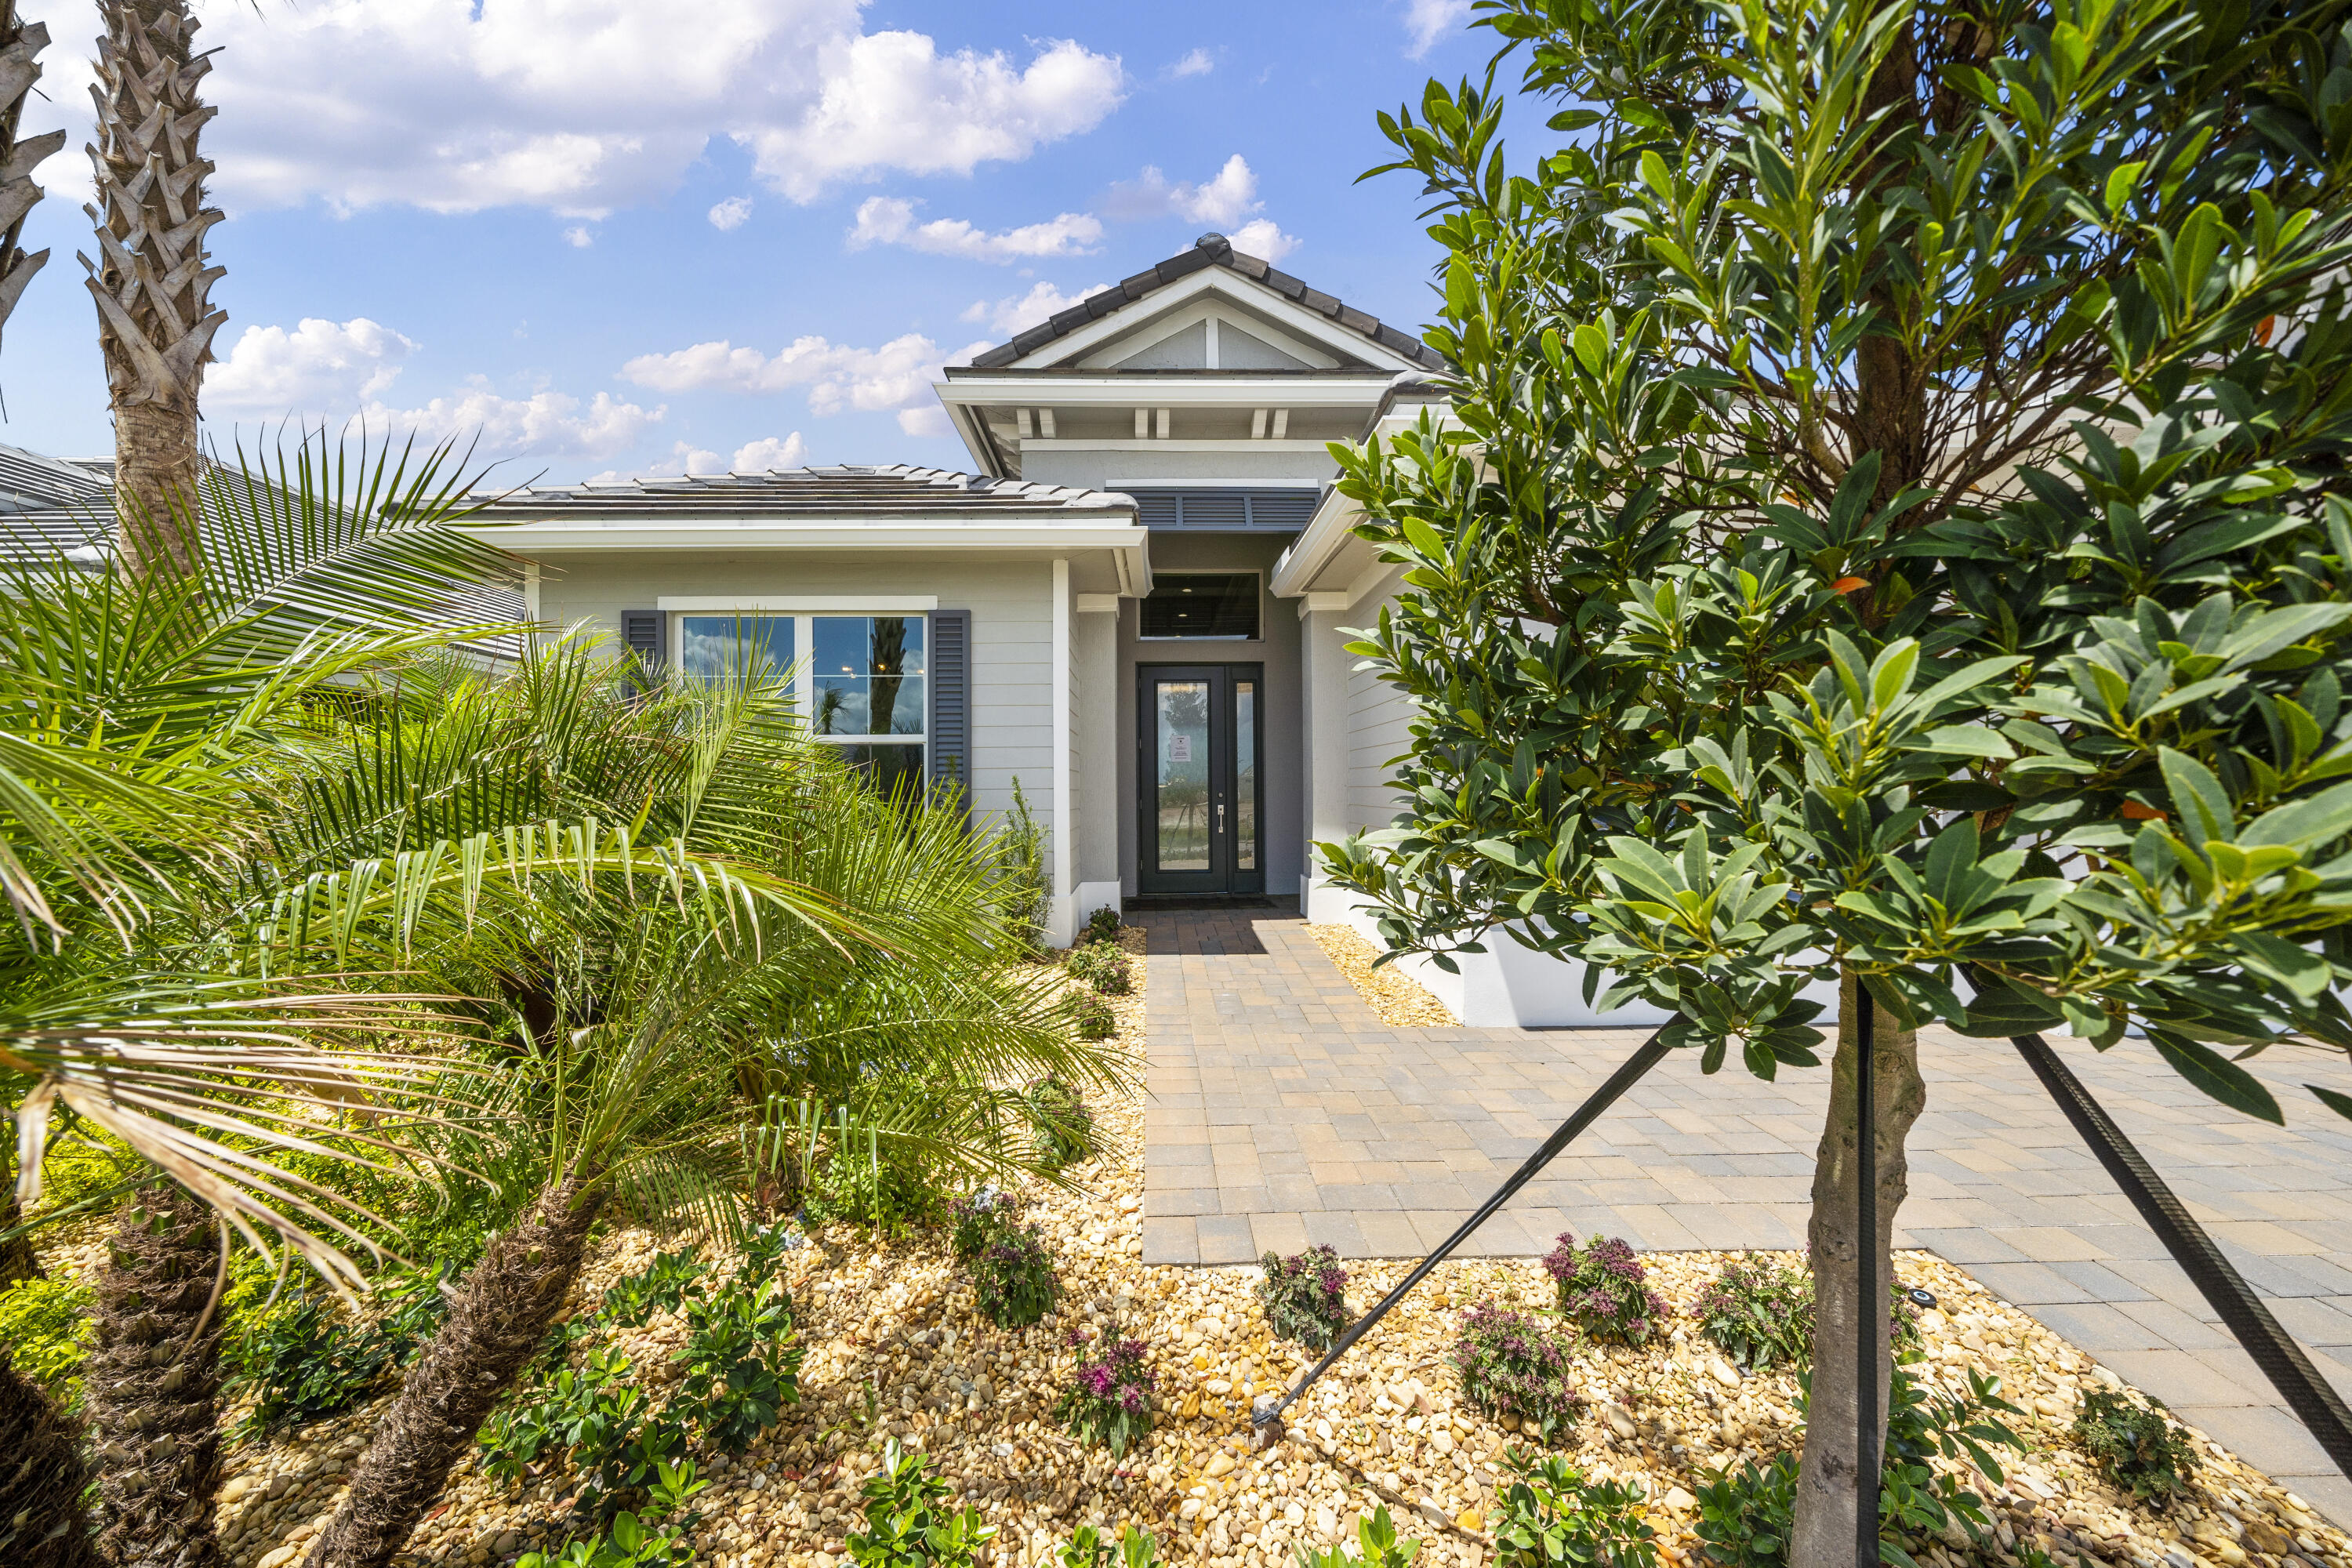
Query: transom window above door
[[860, 681]]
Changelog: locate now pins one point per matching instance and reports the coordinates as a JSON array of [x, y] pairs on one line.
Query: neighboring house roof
[[894, 490], [1209, 250]]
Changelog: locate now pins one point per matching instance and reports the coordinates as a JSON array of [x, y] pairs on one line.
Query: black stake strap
[[1870, 1296], [1650, 1054], [2312, 1398]]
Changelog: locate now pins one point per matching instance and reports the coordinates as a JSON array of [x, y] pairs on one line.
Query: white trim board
[[804, 603]]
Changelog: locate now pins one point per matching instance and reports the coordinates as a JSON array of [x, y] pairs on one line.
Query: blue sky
[[611, 235]]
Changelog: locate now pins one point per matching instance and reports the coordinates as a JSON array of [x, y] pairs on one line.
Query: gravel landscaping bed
[[895, 1350]]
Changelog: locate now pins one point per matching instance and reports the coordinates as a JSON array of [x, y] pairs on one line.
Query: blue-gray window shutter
[[950, 679], [647, 633]]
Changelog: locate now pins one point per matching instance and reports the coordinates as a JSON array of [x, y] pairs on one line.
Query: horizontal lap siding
[[1379, 727], [1012, 631]]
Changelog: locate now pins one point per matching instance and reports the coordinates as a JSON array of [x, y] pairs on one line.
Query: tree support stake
[[2312, 1398], [1265, 1419]]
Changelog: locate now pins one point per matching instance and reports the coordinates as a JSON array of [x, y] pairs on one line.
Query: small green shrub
[[1744, 1514], [978, 1221], [306, 1359], [1013, 1279], [630, 1543], [1134, 1549], [1101, 965], [47, 1326], [741, 1365], [1549, 1515], [909, 1523], [1305, 1297], [1022, 889], [1059, 1122], [1604, 1290], [1101, 926], [1092, 1017], [763, 1251], [596, 1419], [1759, 1313], [667, 1284], [2137, 1447], [1111, 1401], [1516, 1365], [1377, 1546], [886, 1194]]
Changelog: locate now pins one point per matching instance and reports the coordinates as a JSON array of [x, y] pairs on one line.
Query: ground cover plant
[[1013, 1279], [2136, 1445], [1102, 925], [1101, 965], [909, 1522], [1516, 1365], [45, 1329], [1377, 1545], [1603, 1290], [1550, 1515], [1111, 1400], [1092, 1017], [1305, 1296], [1063, 1126], [1759, 1313]]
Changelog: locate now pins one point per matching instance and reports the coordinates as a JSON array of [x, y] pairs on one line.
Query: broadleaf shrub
[[1377, 1546], [1549, 1514], [1111, 1400], [1305, 1297], [1135, 1548], [909, 1520], [977, 1220], [741, 1365], [1604, 1289], [628, 1543], [1759, 1313], [667, 1284], [2134, 1445], [1101, 965], [1102, 925], [47, 1326], [1744, 1514], [1013, 1279], [1518, 1365], [593, 1417], [306, 1359], [1059, 1122]]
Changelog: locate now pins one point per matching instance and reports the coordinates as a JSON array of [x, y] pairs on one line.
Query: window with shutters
[[859, 679]]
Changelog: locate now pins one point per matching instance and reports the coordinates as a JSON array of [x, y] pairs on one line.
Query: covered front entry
[[1199, 782]]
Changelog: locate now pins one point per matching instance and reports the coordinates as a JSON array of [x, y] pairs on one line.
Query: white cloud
[[838, 376], [1430, 20], [320, 365], [544, 425], [731, 213], [578, 237], [684, 457], [582, 105], [1197, 63], [1023, 312], [768, 452], [1223, 200], [1264, 239], [886, 220], [929, 420]]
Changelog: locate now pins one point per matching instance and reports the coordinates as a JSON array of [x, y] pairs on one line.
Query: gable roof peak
[[1211, 249]]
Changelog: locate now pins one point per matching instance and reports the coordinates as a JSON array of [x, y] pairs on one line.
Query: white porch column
[[1323, 685], [1095, 670], [1061, 921]]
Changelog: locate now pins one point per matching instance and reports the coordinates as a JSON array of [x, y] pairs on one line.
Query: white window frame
[[803, 611]]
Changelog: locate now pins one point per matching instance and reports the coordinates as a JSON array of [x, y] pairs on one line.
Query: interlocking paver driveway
[[1284, 1113]]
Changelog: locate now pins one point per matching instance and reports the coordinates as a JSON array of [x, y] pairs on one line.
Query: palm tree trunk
[[153, 1383], [498, 1321], [151, 280], [42, 1476], [20, 43], [1826, 1496]]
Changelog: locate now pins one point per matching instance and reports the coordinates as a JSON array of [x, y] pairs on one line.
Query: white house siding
[[1010, 598], [1112, 465]]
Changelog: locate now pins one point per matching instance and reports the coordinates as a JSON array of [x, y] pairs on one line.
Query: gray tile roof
[[1209, 250], [894, 489]]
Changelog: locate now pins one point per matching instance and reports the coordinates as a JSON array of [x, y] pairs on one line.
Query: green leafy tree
[[1889, 529]]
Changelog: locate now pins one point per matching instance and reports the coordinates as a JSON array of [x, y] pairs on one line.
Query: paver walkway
[[1284, 1113]]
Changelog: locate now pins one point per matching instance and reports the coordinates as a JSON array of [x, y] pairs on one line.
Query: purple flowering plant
[[1305, 1297], [1110, 1401], [1759, 1313], [1604, 1290], [1012, 1279], [1516, 1364]]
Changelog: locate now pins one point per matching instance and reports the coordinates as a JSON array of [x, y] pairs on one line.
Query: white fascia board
[[1331, 527], [1239, 444], [802, 604], [533, 538], [1191, 391]]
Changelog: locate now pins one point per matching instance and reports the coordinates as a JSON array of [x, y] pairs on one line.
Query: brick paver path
[[1284, 1113]]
